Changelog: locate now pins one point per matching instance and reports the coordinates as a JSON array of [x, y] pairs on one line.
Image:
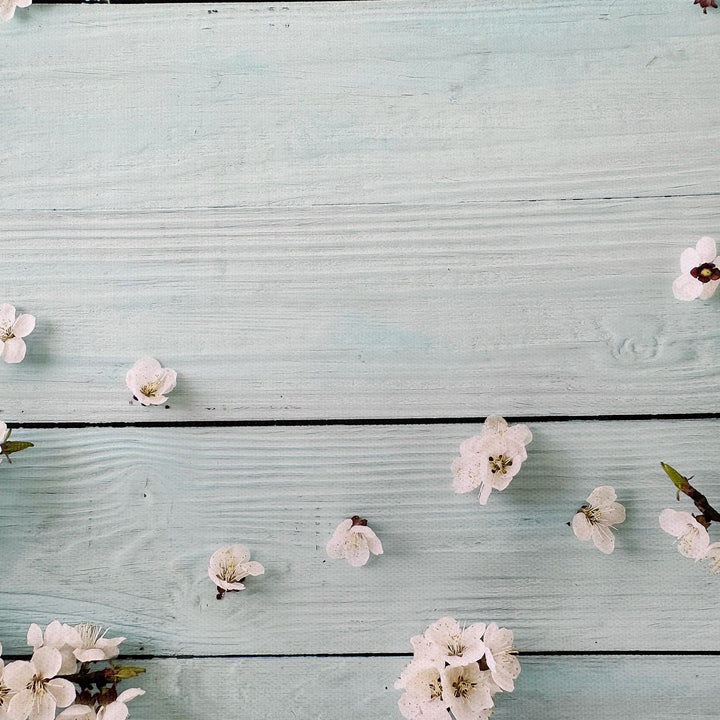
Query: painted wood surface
[[566, 688], [534, 309], [386, 210], [130, 517]]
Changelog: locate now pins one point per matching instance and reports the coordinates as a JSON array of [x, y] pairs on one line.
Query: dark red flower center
[[706, 272]]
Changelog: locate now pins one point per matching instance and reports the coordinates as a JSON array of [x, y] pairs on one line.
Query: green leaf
[[11, 446], [678, 480], [123, 672]]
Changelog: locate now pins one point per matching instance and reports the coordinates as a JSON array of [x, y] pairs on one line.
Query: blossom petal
[[581, 526], [24, 325], [467, 474], [18, 674], [47, 661], [706, 249], [21, 705], [373, 542], [708, 289], [7, 314], [34, 636], [603, 539], [603, 495], [336, 544], [254, 568], [77, 712], [689, 259], [614, 514], [357, 553], [62, 690], [495, 424], [686, 287], [13, 350], [675, 522], [129, 694]]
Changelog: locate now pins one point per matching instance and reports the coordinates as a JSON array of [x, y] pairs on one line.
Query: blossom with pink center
[[700, 267]]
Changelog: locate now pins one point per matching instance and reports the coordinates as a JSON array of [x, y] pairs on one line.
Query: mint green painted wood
[[421, 102], [117, 525], [384, 311], [566, 688]]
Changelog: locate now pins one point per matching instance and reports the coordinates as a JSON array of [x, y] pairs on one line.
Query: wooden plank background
[[356, 229]]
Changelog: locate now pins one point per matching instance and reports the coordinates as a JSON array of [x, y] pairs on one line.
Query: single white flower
[[444, 642], [693, 538], [700, 271], [230, 566], [501, 657], [466, 690], [492, 459], [37, 691], [149, 382], [595, 520], [89, 643], [354, 541], [423, 699], [12, 329], [7, 7], [54, 636], [713, 555]]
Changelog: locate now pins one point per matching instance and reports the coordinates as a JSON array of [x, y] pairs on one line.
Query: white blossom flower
[[37, 691], [444, 642], [693, 538], [12, 329], [149, 382], [492, 459], [713, 555], [354, 541], [594, 520], [500, 656], [466, 690], [700, 271], [423, 699], [230, 566], [7, 7], [54, 636], [89, 643]]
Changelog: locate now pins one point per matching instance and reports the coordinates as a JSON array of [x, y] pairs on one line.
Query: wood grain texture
[[565, 688], [117, 525], [533, 309], [368, 102]]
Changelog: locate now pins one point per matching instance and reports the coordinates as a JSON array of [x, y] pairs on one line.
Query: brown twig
[[708, 513]]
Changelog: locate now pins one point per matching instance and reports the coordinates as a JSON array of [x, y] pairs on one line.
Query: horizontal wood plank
[[117, 525], [295, 104], [535, 309], [565, 688]]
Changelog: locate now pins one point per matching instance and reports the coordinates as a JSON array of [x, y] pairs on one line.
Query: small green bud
[[678, 480], [124, 672]]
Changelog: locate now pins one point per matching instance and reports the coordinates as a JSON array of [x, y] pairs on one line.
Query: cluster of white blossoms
[[594, 520], [229, 567], [489, 461], [60, 666], [458, 671], [693, 540], [353, 541], [700, 268]]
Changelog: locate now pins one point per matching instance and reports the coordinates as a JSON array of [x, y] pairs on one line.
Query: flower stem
[[707, 511]]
